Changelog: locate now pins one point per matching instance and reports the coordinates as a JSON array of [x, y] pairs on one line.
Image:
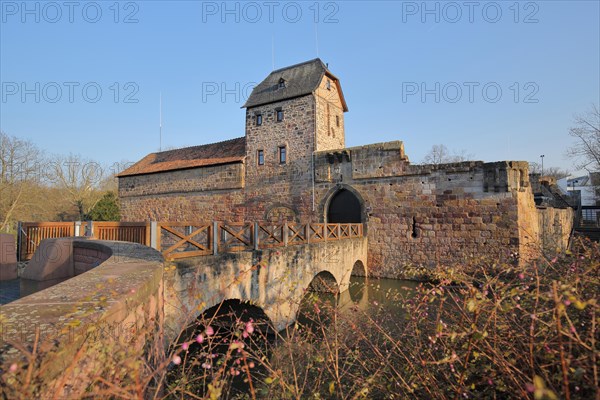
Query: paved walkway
[[10, 291]]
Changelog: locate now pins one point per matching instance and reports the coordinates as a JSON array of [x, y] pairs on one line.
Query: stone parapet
[[82, 324]]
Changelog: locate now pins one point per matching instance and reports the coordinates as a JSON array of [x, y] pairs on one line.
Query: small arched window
[[281, 84]]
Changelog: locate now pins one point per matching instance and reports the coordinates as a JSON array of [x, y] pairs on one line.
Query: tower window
[[281, 84], [328, 84], [282, 155], [258, 119], [279, 112], [260, 155], [332, 132], [337, 121]]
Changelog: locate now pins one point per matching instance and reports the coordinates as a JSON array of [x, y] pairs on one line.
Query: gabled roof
[[226, 152], [300, 79]]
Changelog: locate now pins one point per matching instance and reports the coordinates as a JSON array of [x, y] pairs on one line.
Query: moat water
[[15, 289], [366, 299]]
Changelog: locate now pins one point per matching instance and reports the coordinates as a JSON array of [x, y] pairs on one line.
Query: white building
[[586, 189], [584, 186]]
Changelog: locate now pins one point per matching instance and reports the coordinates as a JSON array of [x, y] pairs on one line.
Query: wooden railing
[[189, 239], [135, 232], [32, 233], [186, 239]]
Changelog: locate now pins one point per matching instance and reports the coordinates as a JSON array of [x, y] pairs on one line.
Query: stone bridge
[[130, 294], [272, 279]]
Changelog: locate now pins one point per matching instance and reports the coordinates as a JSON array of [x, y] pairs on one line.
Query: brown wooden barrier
[[189, 239], [135, 232], [184, 239], [32, 233]]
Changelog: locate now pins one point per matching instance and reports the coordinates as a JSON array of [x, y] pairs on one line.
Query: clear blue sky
[[544, 56]]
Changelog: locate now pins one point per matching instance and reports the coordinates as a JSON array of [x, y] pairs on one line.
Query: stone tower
[[293, 113]]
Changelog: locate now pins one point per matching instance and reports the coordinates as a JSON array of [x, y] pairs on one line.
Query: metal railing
[[587, 217]]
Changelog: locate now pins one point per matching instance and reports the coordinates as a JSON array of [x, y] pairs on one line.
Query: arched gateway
[[343, 205]]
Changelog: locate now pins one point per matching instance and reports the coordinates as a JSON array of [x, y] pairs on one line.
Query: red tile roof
[[229, 151]]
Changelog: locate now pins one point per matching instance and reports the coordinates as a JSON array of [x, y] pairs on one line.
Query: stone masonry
[[415, 215]]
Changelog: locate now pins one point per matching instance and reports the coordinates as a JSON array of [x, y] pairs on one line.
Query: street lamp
[[542, 157]]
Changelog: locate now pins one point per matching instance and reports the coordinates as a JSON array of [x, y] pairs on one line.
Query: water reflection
[[320, 314], [367, 297], [18, 288]]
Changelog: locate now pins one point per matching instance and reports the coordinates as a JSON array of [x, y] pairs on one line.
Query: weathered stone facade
[[289, 181], [211, 178], [415, 215]]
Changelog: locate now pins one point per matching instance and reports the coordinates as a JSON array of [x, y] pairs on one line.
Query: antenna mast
[[317, 37], [160, 123], [273, 51]]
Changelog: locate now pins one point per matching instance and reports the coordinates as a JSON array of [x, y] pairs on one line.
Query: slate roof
[[300, 79], [226, 152]]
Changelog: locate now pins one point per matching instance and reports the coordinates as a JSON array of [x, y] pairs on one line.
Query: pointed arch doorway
[[344, 207]]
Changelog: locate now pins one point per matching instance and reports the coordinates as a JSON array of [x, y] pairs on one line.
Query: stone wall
[[554, 227], [87, 257], [211, 193], [215, 177], [63, 258], [90, 326], [329, 117], [223, 205], [424, 215], [276, 184], [416, 215]]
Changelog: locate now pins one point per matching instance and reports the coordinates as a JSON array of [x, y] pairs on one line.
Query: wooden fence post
[[215, 238], [77, 229], [255, 235], [19, 240], [154, 235], [285, 234]]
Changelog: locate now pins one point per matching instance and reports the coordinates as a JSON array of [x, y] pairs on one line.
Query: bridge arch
[[324, 281], [206, 343], [343, 204], [226, 316], [359, 269]]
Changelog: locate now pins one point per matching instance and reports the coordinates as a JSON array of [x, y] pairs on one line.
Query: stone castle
[[292, 165]]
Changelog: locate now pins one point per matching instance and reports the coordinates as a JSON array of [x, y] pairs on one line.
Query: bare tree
[[111, 182], [20, 161], [78, 179], [555, 172], [586, 149], [439, 154]]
